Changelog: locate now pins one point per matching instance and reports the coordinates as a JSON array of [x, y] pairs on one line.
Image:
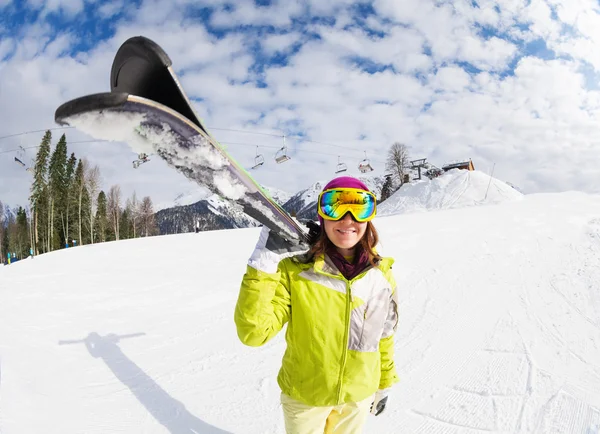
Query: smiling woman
[[340, 302]]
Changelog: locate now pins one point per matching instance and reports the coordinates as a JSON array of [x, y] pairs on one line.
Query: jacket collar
[[324, 265]]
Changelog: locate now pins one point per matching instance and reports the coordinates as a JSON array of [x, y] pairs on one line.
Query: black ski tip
[[142, 68], [137, 60], [88, 103]]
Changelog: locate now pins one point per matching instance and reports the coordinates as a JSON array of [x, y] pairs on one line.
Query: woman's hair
[[367, 242]]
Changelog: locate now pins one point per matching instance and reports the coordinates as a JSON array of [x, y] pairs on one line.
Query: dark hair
[[367, 242]]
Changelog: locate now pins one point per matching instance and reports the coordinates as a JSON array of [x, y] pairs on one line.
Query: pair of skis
[[148, 109]]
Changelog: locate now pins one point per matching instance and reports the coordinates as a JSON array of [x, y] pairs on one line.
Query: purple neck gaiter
[[350, 270]]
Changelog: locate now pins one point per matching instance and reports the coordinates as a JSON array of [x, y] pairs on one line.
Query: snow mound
[[454, 189]]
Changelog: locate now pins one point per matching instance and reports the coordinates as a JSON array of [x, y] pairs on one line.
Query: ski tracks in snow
[[525, 356], [563, 308]]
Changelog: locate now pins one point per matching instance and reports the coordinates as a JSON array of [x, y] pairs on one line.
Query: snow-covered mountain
[[454, 189], [199, 193], [211, 213], [200, 208], [185, 198], [280, 196]]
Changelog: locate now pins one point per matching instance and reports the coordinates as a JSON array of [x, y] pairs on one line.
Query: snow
[[454, 189], [115, 127], [499, 329], [129, 128]]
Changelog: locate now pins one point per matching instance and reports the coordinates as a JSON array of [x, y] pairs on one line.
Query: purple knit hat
[[344, 182]]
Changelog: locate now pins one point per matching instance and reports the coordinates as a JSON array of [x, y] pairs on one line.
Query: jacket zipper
[[346, 333]]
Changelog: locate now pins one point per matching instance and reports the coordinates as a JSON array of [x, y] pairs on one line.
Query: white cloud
[[110, 9], [450, 79], [6, 47], [490, 55], [60, 45], [279, 43], [246, 12], [539, 125], [68, 7]]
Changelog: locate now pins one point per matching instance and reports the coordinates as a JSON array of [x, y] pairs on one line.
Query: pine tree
[[125, 224], [57, 182], [70, 210], [387, 189], [79, 188], [4, 246], [22, 233], [39, 192]]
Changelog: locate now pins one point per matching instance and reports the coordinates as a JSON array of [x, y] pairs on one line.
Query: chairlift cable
[[35, 131]]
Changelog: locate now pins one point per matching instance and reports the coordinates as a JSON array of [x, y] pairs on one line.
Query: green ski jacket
[[339, 337]]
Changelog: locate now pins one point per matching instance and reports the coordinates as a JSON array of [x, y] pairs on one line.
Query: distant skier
[[340, 302]]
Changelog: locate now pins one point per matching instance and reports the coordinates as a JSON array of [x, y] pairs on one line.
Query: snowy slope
[[499, 329], [454, 189]]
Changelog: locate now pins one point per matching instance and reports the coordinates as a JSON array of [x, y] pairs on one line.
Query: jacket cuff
[[388, 379]]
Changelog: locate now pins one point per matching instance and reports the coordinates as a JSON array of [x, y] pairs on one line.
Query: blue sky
[[510, 83]]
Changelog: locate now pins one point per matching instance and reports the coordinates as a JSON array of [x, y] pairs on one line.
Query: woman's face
[[345, 233]]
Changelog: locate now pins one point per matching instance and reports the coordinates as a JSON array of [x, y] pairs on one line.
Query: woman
[[340, 303]]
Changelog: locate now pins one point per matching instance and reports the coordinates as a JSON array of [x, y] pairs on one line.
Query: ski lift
[[341, 167], [281, 156], [259, 160], [142, 158], [21, 158], [365, 165]]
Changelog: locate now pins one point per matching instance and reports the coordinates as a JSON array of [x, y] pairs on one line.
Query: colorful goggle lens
[[335, 203]]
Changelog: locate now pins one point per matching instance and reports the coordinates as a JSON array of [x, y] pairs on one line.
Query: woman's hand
[[379, 401], [271, 249]]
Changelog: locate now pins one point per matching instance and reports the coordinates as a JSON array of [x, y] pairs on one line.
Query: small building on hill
[[461, 165]]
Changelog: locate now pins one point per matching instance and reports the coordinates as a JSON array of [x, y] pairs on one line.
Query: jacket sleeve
[[263, 306], [386, 345]]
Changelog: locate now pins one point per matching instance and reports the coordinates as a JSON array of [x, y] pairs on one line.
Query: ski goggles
[[334, 203]]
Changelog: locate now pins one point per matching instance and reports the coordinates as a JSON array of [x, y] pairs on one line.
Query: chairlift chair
[[341, 167], [142, 158], [281, 156], [259, 160], [365, 165], [20, 158]]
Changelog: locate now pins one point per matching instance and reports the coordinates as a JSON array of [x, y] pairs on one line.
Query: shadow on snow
[[169, 412]]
